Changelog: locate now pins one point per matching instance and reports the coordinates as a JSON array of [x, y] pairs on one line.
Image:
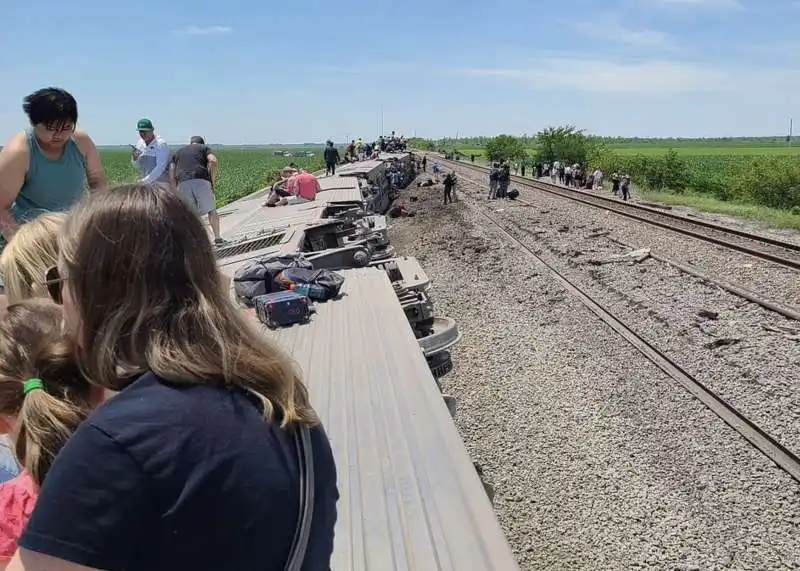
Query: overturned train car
[[411, 499]]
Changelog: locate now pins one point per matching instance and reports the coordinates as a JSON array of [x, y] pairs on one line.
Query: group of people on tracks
[[148, 423]]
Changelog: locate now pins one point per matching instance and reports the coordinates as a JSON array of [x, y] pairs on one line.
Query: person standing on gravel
[[598, 179], [615, 184], [626, 187], [494, 177], [503, 181], [193, 171], [331, 158], [449, 184], [150, 156]]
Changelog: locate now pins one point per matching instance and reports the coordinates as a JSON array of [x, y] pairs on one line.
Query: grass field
[[757, 179], [241, 171], [694, 150], [710, 151]]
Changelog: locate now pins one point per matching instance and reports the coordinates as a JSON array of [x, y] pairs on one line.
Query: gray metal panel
[[338, 182], [399, 156], [414, 277], [259, 219], [410, 497], [335, 195], [361, 167]]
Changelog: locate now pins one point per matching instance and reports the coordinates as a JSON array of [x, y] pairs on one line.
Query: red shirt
[[17, 499], [305, 185]]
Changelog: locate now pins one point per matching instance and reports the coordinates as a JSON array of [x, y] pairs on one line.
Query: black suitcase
[[282, 309]]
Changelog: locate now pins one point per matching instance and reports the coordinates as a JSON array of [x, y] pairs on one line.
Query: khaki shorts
[[198, 194]]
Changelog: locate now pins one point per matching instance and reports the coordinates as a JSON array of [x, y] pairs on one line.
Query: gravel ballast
[[748, 355], [599, 460], [778, 282]]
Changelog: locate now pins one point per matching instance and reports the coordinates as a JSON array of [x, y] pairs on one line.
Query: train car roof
[[397, 156], [339, 189], [359, 168], [410, 497]]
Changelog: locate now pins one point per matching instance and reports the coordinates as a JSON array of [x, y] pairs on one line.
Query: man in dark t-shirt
[[194, 172]]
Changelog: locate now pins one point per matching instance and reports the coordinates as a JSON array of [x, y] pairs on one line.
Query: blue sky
[[306, 70]]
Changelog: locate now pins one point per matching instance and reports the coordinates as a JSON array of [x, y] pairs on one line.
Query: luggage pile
[[283, 287]]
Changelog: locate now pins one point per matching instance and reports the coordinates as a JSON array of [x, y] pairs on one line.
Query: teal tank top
[[51, 185]]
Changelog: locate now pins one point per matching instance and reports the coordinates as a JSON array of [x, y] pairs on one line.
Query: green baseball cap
[[144, 125]]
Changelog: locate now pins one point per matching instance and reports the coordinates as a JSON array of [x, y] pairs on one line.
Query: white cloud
[[610, 29], [203, 30], [711, 4], [642, 77]]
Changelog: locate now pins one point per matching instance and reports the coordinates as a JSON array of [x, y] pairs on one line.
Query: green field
[[693, 150], [241, 170], [709, 151], [756, 178]]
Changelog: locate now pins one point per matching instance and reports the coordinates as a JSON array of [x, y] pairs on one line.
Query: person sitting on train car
[[303, 187], [43, 399], [278, 190], [194, 464]]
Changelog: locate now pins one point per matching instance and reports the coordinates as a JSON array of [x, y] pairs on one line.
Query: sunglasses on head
[[54, 283]]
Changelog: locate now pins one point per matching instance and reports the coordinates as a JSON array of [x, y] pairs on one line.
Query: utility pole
[[791, 128]]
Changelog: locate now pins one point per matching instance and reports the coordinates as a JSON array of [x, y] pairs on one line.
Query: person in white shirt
[[151, 156], [598, 179]]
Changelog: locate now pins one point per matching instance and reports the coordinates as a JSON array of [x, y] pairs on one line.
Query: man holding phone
[[151, 154], [193, 171]]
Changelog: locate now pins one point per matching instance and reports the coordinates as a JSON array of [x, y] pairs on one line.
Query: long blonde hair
[[33, 345], [26, 259], [144, 281]]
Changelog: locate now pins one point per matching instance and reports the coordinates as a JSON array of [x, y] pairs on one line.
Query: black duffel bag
[[258, 277]]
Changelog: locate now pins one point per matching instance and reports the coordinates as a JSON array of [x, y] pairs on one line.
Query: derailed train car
[[372, 358], [382, 178]]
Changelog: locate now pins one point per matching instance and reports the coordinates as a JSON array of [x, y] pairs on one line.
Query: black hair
[[51, 107], [197, 140]]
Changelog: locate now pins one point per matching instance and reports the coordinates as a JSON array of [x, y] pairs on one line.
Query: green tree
[[567, 143], [506, 148]]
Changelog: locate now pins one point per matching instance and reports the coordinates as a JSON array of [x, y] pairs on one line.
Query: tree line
[[765, 180]]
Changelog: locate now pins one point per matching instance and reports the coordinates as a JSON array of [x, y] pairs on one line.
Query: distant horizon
[[464, 138]]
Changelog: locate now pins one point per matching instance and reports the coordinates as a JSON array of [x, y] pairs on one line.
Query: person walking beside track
[[47, 167], [332, 158], [193, 171], [151, 154]]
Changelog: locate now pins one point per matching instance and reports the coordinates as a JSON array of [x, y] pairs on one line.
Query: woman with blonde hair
[[210, 457], [26, 259], [43, 399], [23, 265]]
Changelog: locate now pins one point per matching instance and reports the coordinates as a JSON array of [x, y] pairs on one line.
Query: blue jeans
[[8, 464]]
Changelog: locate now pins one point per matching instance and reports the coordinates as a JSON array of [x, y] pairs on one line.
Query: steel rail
[[789, 259], [783, 457]]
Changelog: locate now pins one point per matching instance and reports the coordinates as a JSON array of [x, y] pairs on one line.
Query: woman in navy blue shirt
[[193, 464]]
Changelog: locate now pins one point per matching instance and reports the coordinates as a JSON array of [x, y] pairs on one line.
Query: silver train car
[[411, 499]]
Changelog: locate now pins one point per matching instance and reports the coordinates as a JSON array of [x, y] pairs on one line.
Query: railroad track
[[763, 247], [783, 457]]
